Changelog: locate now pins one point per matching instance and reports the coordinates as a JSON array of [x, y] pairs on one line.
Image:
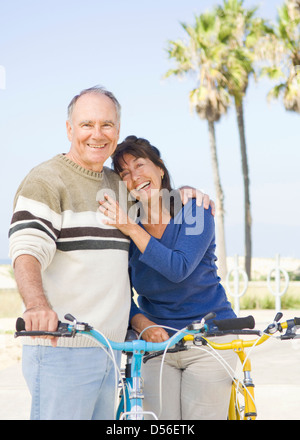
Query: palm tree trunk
[[245, 169], [220, 235]]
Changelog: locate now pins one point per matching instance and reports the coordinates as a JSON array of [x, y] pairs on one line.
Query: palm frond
[[275, 92]]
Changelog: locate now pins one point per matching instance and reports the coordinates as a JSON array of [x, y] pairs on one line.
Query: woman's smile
[[142, 176]]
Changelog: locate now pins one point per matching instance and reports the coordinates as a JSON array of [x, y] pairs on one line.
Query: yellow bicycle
[[242, 402]]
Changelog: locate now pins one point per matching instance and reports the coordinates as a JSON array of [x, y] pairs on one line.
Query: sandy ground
[[10, 348]]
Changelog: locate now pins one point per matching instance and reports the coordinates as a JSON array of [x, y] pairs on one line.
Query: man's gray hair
[[100, 91]]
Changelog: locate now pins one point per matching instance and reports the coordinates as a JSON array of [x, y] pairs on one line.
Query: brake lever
[[275, 325], [290, 331]]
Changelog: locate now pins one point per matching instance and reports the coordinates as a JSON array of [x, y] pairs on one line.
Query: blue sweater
[[176, 276]]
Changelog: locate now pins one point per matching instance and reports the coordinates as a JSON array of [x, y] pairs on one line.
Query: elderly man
[[66, 259]]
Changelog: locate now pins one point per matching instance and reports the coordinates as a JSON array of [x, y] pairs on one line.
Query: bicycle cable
[[214, 352], [163, 355]]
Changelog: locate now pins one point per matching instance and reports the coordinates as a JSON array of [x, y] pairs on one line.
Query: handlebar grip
[[235, 323], [297, 321], [20, 325]]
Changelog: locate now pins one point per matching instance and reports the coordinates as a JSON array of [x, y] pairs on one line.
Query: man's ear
[[69, 130]]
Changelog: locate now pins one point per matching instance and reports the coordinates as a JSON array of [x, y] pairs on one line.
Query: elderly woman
[[172, 266]]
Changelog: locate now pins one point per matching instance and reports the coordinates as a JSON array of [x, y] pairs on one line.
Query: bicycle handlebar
[[69, 330], [227, 326], [63, 329]]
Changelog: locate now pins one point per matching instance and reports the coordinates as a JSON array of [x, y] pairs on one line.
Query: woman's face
[[142, 176]]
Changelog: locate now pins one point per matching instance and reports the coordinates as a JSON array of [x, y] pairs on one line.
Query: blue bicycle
[[131, 396]]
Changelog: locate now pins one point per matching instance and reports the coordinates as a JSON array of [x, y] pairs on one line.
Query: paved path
[[276, 373]]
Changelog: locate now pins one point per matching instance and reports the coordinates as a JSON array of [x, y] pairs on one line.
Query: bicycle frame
[[247, 387], [131, 402]]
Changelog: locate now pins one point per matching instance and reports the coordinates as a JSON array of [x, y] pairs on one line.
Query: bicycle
[[242, 402], [131, 396]]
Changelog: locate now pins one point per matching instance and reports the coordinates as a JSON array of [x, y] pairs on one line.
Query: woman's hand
[[115, 215], [155, 334], [118, 218]]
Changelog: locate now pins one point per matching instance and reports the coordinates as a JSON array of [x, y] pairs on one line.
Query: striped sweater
[[84, 262]]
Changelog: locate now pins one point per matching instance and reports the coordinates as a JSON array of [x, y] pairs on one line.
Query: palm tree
[[243, 32], [202, 55], [282, 51]]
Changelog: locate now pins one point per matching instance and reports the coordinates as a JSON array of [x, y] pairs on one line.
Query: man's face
[[94, 131]]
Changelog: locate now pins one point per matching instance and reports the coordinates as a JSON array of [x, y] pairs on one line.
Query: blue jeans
[[70, 383]]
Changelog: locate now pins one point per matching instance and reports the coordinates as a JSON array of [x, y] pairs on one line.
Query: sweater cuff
[[133, 311], [149, 250]]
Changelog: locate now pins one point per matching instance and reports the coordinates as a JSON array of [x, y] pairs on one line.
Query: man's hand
[[41, 318], [187, 193]]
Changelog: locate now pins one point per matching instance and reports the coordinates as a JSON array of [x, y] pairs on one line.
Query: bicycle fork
[[248, 385], [132, 402]]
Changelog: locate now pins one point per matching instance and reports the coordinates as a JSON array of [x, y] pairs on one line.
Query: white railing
[[278, 287], [278, 291], [237, 292]]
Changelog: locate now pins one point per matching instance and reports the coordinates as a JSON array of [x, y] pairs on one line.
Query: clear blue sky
[[51, 50]]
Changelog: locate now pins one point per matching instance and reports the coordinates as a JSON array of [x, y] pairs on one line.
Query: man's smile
[[96, 146]]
